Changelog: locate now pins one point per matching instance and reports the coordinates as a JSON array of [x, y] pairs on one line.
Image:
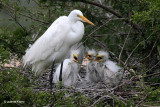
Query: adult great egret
[[70, 71], [109, 68], [54, 44]]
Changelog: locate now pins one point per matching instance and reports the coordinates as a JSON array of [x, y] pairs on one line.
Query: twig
[[123, 83], [89, 36], [9, 7], [137, 27], [157, 73], [15, 19], [99, 41], [153, 67], [106, 96], [148, 54], [124, 44], [138, 105], [135, 49]]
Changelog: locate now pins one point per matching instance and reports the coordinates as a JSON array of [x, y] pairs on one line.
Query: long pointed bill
[[86, 20]]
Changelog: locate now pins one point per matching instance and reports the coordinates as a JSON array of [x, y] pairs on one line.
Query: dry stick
[[157, 73], [102, 35], [122, 83], [124, 44], [116, 57], [121, 53], [135, 49], [138, 105], [148, 54], [93, 32], [153, 67], [89, 36], [15, 19], [106, 96], [137, 27], [98, 41], [25, 15]]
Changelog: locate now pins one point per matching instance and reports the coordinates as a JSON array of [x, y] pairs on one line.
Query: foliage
[[14, 42], [15, 86]]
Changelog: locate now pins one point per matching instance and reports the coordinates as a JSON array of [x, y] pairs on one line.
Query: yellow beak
[[97, 58], [86, 20]]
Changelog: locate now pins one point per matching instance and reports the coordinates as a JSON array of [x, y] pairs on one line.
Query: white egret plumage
[[69, 71], [110, 69], [54, 44]]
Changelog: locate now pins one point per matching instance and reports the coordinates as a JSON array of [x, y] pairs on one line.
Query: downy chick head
[[102, 56], [74, 55], [90, 55]]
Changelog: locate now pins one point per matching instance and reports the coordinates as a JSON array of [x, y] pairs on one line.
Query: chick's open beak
[[85, 19], [98, 58], [75, 57]]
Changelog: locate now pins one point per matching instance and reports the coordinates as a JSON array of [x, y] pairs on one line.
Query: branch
[[135, 26], [10, 8], [153, 67], [148, 54], [90, 35], [124, 44], [157, 73], [135, 49], [106, 96]]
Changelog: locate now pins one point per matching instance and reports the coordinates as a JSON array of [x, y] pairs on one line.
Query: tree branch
[[135, 26]]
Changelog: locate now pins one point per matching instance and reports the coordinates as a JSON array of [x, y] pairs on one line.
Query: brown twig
[[157, 73], [124, 44], [10, 8], [153, 67], [90, 35], [105, 96], [136, 48], [137, 27], [148, 54]]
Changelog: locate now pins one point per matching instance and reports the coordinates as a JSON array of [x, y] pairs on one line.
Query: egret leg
[[60, 76], [51, 76]]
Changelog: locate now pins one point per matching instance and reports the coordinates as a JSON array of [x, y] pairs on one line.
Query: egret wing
[[49, 42]]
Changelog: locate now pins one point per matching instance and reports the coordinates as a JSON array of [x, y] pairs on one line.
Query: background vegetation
[[128, 29]]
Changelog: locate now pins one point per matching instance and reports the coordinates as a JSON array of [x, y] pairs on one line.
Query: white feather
[[92, 74], [109, 69], [112, 66], [54, 44], [69, 71]]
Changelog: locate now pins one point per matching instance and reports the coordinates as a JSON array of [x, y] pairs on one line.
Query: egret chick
[[109, 68], [92, 74], [69, 71]]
